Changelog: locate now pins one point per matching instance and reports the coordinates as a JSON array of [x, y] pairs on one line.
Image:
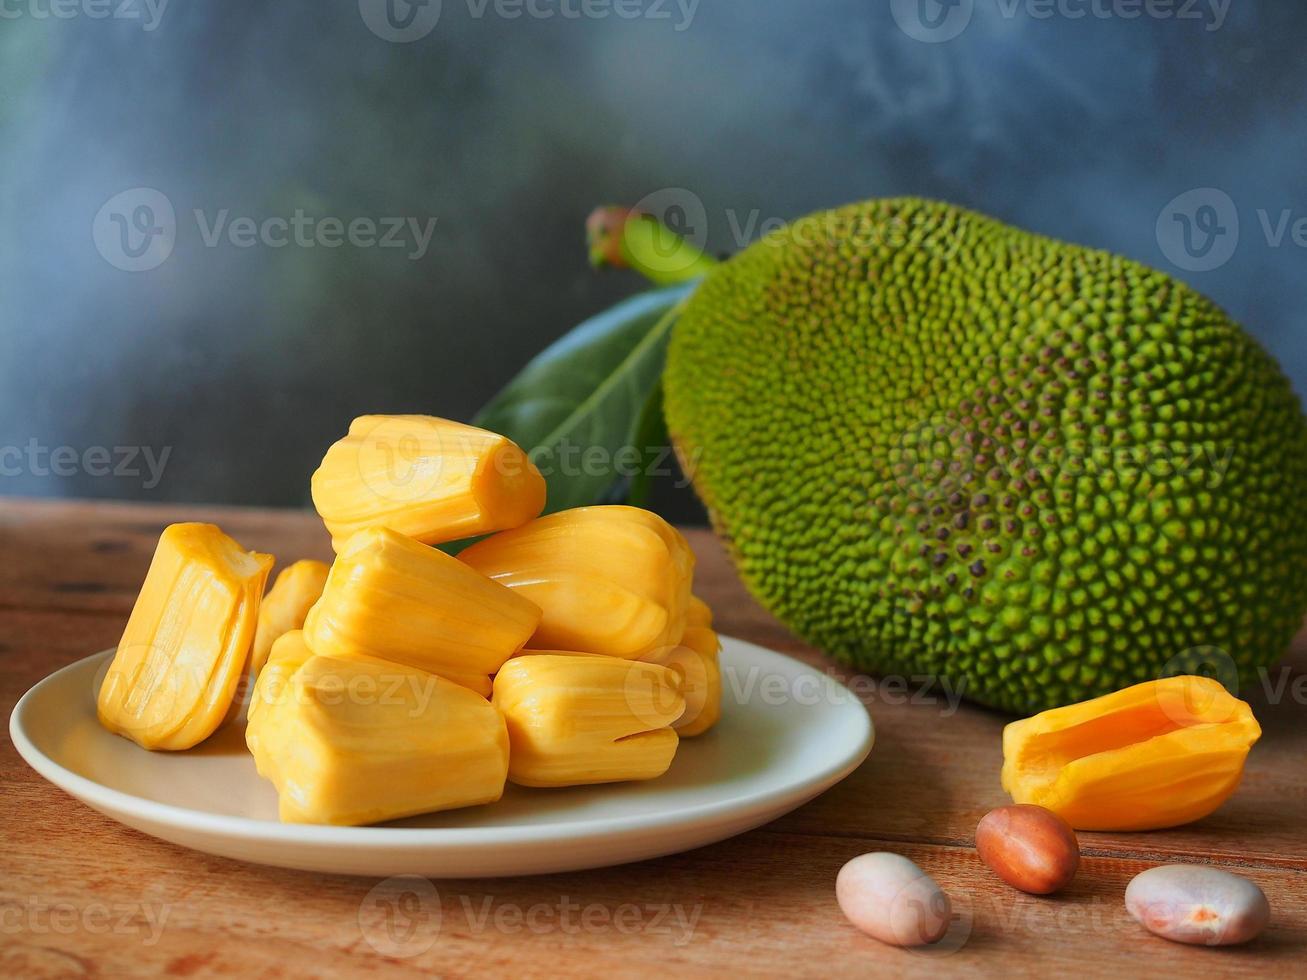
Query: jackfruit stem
[[626, 238]]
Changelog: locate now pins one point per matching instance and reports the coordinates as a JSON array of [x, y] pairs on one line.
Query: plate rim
[[374, 838]]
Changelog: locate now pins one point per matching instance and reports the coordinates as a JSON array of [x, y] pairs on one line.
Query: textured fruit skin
[[939, 445]]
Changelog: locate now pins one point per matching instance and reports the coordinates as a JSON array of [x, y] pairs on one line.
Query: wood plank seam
[[65, 610], [1112, 854]]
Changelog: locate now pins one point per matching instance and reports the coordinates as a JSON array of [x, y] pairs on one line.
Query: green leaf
[[577, 405], [650, 437]]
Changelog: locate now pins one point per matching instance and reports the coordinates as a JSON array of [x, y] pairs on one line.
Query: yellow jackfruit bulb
[[431, 479], [612, 580], [289, 653], [698, 613], [283, 609], [187, 642], [574, 720], [699, 676], [358, 740], [393, 598], [1154, 755]]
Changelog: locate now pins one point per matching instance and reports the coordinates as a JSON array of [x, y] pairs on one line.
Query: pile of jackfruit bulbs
[[558, 651]]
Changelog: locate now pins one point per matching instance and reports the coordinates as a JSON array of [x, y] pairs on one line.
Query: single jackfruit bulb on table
[[939, 445], [1154, 755], [283, 609], [431, 479], [187, 643], [393, 598], [575, 720], [358, 740], [613, 580], [699, 678]]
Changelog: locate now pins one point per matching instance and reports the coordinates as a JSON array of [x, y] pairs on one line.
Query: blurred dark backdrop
[[243, 362]]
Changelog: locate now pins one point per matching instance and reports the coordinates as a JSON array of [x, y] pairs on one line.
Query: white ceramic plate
[[787, 733]]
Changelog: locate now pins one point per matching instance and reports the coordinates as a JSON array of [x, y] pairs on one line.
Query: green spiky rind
[[938, 445]]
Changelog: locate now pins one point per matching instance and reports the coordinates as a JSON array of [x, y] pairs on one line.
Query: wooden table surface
[[82, 895]]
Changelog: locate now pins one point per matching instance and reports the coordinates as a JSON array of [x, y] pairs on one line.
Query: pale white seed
[[1197, 905], [891, 899]]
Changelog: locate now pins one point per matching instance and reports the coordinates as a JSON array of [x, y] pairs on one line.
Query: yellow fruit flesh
[[610, 580], [574, 720], [358, 740], [283, 609], [431, 479], [187, 641], [1158, 754], [392, 598], [698, 613], [289, 653]]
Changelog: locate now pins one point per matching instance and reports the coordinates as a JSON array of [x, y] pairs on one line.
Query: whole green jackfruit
[[939, 445]]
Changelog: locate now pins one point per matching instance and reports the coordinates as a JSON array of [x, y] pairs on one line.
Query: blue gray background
[[507, 129]]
